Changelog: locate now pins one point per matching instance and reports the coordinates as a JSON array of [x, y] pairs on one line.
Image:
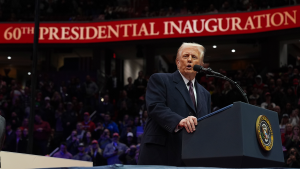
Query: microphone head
[[197, 68]]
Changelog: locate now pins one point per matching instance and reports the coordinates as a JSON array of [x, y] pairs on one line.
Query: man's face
[[189, 57], [129, 138], [288, 127], [81, 149], [79, 126], [129, 80], [37, 118], [74, 133], [107, 118], [18, 132], [115, 138], [25, 132], [106, 98], [63, 148], [94, 145], [277, 109], [86, 117]]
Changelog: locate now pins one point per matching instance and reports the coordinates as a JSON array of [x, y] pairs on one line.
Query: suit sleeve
[[209, 103], [156, 101]]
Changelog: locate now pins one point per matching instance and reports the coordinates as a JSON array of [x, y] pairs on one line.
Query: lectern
[[238, 137]]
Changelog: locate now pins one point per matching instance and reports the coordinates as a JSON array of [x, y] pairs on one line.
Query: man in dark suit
[[174, 101]]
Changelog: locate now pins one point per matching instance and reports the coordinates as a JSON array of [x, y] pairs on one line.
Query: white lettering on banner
[[103, 31], [53, 33], [166, 28], [195, 25], [258, 20], [74, 32], [220, 24], [111, 29], [88, 37], [134, 30], [30, 30], [81, 33], [125, 29], [281, 19], [173, 25], [7, 34], [143, 29], [287, 15], [236, 24], [43, 31], [65, 32], [249, 22], [188, 26], [152, 29], [23, 30], [100, 32], [214, 27]]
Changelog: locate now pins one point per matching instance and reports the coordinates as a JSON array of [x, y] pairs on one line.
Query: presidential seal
[[264, 133]]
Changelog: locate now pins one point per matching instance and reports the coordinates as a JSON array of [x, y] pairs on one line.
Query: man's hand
[[189, 123]]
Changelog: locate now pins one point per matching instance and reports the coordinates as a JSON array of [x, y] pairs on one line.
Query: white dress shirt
[[188, 87]]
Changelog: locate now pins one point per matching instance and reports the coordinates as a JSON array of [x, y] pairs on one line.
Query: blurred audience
[[68, 115]]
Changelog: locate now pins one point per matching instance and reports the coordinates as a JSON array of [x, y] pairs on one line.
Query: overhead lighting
[[215, 46], [8, 57], [233, 50], [29, 73]]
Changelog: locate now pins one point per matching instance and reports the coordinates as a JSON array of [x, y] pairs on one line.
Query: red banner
[[156, 28]]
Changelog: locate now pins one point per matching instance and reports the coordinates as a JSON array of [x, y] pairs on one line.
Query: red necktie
[[191, 91]]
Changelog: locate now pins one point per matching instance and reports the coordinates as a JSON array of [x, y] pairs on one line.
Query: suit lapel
[[181, 87], [199, 99]]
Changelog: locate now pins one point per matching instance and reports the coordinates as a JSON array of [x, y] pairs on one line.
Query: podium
[[229, 139]]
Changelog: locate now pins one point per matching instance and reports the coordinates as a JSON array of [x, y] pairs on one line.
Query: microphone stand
[[211, 73]]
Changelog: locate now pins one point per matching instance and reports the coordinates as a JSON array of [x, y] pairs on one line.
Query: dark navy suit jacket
[[168, 102]]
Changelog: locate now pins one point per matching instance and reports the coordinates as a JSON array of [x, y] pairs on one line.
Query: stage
[[142, 167]]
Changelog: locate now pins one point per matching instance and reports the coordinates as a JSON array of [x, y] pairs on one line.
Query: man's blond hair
[[200, 48]]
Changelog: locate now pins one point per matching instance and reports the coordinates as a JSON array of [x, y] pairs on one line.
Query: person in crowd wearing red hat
[[268, 101], [41, 135], [113, 150], [88, 125], [258, 82], [96, 154]]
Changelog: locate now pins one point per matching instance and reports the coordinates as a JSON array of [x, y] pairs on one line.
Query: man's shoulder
[[69, 154], [122, 144], [56, 154], [202, 89], [161, 76]]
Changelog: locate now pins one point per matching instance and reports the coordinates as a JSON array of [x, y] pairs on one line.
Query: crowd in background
[[106, 127], [89, 10]]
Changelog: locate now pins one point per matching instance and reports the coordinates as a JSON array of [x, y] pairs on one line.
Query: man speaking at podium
[[174, 101]]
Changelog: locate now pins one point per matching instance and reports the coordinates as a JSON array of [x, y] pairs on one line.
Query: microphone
[[199, 68], [211, 73]]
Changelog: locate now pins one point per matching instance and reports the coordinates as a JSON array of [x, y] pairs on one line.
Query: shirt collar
[[186, 80]]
